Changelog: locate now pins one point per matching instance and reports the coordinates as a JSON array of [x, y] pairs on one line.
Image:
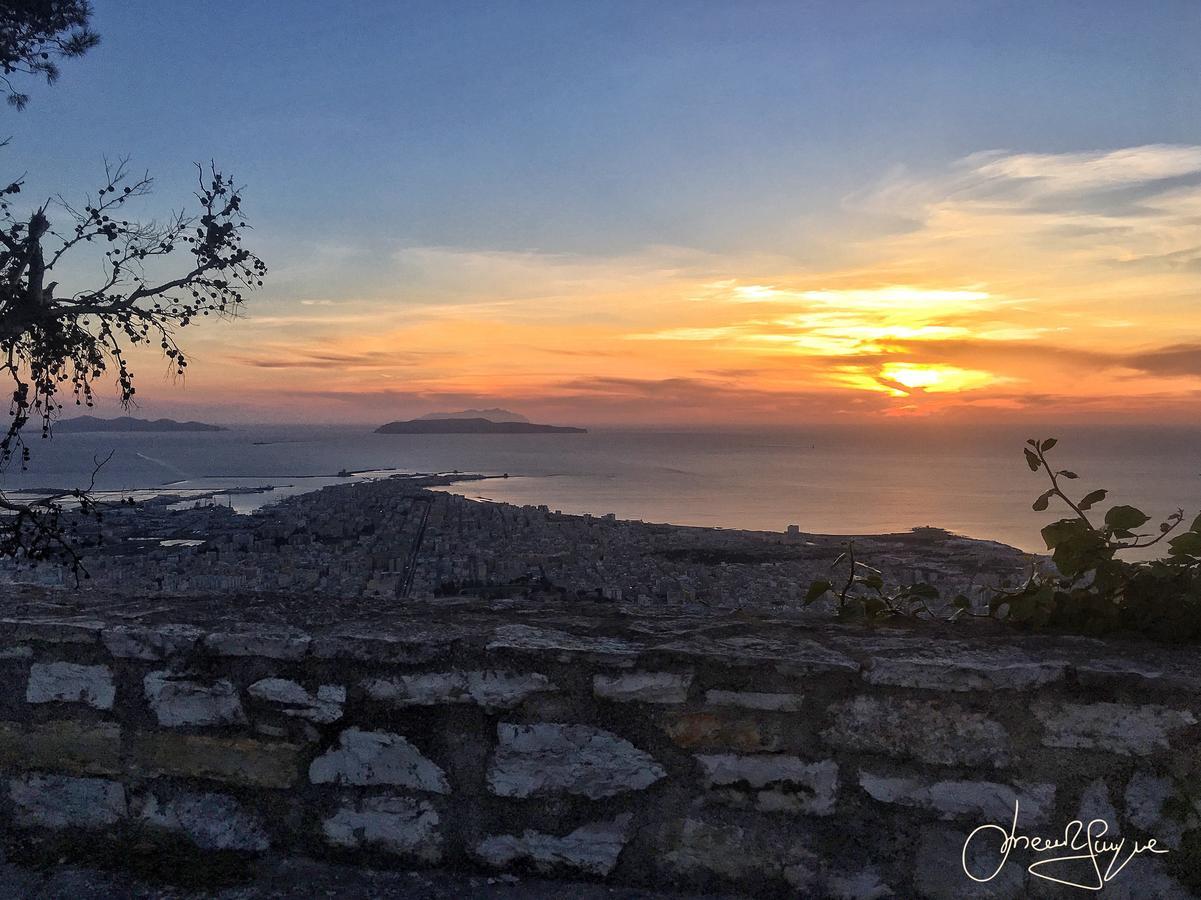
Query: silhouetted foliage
[[49, 343], [53, 340], [34, 34], [862, 594], [1090, 589]]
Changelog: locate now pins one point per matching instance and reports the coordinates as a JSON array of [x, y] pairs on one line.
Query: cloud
[[291, 358], [1033, 215], [1073, 276], [688, 334], [1090, 171], [1175, 360]]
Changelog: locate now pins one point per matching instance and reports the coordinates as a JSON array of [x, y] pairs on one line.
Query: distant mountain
[[492, 415], [128, 423], [472, 426]]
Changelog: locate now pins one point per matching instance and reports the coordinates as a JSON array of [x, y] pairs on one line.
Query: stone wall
[[765, 758]]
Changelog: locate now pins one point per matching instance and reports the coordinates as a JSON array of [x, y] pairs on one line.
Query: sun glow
[[934, 379]]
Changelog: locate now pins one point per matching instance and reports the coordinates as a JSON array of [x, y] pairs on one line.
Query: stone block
[[1157, 674], [179, 702], [552, 758], [151, 642], [269, 643], [942, 733], [938, 867], [1110, 727], [244, 761], [593, 848], [565, 647], [377, 758], [700, 849], [63, 801], [764, 702], [294, 700], [643, 687], [712, 849], [772, 782], [210, 821], [400, 825], [65, 682], [365, 646], [489, 689], [981, 801], [51, 631], [961, 669], [1147, 798], [801, 656], [1095, 804], [723, 732], [67, 746]]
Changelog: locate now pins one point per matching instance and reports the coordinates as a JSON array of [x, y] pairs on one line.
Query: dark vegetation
[[128, 423], [35, 34], [473, 426], [1089, 588], [55, 341]]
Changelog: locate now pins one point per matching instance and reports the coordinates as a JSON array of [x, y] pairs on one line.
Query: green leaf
[[1187, 544], [1058, 532], [1042, 502], [1077, 548], [1125, 518], [874, 581], [1066, 473], [1080, 553], [854, 609], [1048, 444], [1032, 442], [1032, 460], [921, 589], [816, 590], [1196, 526], [1093, 497], [961, 602]]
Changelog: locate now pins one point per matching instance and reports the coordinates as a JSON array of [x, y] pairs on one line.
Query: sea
[[842, 480]]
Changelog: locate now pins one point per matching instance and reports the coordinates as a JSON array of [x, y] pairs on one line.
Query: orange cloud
[[1011, 283]]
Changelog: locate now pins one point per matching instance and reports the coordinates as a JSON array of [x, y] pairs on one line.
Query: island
[[473, 426], [492, 415], [129, 423]]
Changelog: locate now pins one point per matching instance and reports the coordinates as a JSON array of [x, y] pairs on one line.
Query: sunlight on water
[[840, 480]]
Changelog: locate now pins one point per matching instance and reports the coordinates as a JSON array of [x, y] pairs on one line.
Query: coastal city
[[402, 537]]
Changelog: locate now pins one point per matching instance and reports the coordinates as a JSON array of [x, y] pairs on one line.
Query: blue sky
[[594, 127], [593, 130]]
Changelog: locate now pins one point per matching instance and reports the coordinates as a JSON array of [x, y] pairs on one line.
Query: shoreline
[[408, 537]]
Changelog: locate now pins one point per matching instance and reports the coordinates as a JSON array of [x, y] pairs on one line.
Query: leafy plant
[[1089, 589], [862, 594], [1093, 589]]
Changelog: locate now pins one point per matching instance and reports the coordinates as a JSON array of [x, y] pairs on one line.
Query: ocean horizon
[[873, 479]]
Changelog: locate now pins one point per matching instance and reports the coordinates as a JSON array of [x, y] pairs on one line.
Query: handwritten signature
[[1084, 842]]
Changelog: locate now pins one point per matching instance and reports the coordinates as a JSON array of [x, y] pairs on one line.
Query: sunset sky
[[679, 212]]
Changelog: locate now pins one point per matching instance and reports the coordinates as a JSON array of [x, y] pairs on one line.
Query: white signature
[[1084, 842]]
